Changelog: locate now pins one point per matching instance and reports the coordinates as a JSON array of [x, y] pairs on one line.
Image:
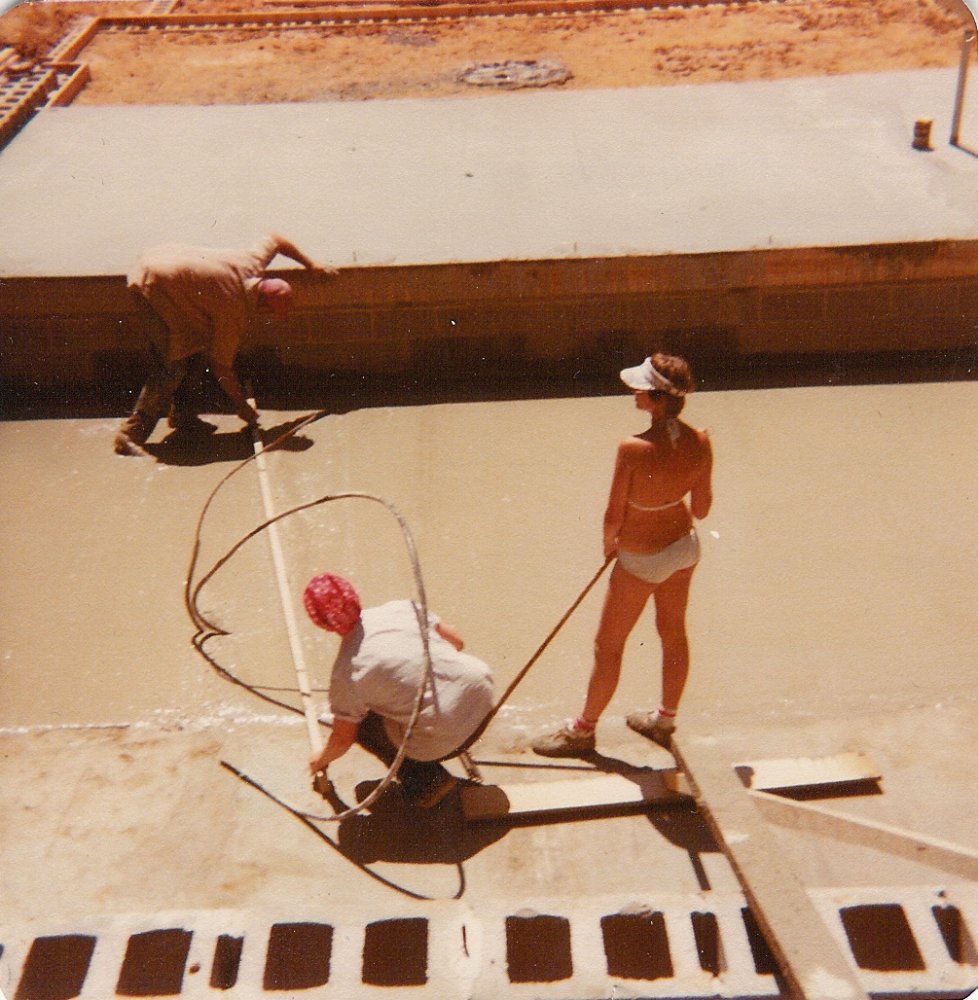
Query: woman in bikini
[[649, 527]]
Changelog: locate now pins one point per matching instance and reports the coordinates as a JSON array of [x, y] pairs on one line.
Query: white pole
[[967, 43], [285, 595]]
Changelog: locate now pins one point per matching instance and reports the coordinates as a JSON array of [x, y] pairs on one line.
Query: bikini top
[[664, 506], [672, 427]]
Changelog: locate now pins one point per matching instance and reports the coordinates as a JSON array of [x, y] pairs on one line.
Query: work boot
[[568, 741], [437, 791], [133, 433], [652, 726], [425, 785]]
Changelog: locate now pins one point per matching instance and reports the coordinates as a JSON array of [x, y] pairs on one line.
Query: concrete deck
[[528, 176], [834, 610], [504, 232]]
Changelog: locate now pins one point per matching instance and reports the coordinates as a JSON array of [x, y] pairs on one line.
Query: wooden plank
[[639, 788], [73, 86], [807, 772], [958, 859], [810, 958]]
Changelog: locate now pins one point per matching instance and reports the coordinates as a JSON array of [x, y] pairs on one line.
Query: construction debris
[[513, 74]]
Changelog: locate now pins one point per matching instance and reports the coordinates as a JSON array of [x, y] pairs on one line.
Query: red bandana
[[332, 603]]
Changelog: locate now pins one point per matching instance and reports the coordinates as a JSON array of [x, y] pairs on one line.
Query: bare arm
[[288, 249], [449, 634], [342, 737], [701, 494], [614, 515]]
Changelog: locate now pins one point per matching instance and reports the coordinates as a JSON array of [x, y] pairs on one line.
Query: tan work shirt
[[205, 296]]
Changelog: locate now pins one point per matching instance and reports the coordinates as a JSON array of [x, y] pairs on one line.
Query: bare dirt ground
[[427, 57]]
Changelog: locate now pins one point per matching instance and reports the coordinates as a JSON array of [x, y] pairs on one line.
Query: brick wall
[[510, 316]]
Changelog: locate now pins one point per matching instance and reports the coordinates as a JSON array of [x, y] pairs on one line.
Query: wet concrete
[[819, 527], [833, 610]]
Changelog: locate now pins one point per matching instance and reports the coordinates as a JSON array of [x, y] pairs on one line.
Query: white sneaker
[[652, 726]]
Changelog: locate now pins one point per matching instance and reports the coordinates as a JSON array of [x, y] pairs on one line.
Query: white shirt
[[380, 665]]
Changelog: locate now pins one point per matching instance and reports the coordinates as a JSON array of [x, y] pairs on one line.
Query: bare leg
[[671, 598], [624, 602]]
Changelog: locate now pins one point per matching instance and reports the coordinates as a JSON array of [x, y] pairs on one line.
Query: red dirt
[[424, 58]]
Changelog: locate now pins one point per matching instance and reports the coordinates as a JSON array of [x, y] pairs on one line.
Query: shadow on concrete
[[395, 831], [965, 149], [277, 388], [318, 826], [200, 447], [840, 790], [685, 826], [679, 822], [206, 447], [579, 378]]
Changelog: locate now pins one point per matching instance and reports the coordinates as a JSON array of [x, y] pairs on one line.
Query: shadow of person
[[282, 437], [200, 447], [202, 444], [686, 827], [395, 831], [679, 821], [615, 765], [651, 780]]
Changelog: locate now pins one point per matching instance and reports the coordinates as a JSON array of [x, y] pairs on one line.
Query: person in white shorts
[[649, 527]]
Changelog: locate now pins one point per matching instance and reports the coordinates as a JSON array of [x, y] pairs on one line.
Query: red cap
[[332, 603]]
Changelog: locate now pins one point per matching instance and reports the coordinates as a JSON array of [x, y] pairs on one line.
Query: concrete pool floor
[[833, 611]]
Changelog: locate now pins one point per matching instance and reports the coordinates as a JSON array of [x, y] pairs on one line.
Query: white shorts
[[657, 567]]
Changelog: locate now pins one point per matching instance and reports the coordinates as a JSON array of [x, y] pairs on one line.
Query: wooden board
[[958, 859], [643, 786], [800, 773], [637, 788], [809, 957]]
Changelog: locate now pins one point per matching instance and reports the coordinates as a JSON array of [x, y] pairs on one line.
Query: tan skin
[[344, 733], [651, 472]]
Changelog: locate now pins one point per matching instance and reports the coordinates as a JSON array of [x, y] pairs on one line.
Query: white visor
[[645, 376]]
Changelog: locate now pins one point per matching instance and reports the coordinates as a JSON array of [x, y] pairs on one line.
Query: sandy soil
[[426, 58]]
